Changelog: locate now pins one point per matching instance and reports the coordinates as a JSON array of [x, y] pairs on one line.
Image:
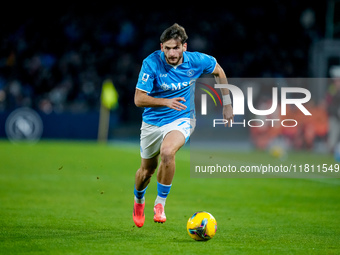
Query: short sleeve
[[208, 62], [145, 78]]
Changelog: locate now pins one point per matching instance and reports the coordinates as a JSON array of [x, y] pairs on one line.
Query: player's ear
[[162, 47], [185, 46]]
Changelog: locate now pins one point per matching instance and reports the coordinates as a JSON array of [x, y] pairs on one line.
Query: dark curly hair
[[176, 32]]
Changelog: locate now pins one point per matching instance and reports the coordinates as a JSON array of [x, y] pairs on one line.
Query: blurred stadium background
[[54, 58], [62, 196]]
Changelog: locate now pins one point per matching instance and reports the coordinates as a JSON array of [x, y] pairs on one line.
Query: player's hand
[[175, 103], [228, 114]]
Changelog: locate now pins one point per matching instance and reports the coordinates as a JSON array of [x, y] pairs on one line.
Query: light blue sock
[[163, 190], [139, 195]]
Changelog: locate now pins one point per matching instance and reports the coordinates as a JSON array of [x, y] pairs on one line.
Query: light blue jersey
[[161, 80]]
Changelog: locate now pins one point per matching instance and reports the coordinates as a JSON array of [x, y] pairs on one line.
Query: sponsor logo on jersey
[[165, 86], [176, 86]]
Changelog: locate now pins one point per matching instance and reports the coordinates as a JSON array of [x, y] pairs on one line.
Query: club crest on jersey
[[190, 73]]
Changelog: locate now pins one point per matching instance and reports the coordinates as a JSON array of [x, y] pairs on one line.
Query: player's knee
[[148, 167], [147, 173], [167, 154]]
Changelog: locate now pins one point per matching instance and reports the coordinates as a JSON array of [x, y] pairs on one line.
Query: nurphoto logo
[[239, 105]]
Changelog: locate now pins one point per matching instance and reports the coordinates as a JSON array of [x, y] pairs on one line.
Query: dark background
[[54, 57]]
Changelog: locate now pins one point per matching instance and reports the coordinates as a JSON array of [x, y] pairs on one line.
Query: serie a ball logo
[[201, 226]]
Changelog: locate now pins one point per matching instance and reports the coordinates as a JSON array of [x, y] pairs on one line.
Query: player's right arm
[[142, 99], [145, 84]]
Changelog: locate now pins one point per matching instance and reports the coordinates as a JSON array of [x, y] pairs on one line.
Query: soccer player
[[164, 86]]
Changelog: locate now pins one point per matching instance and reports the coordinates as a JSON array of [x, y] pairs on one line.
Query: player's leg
[[150, 143], [143, 176], [172, 142], [142, 179]]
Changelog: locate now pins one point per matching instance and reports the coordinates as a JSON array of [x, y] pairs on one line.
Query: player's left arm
[[221, 78]]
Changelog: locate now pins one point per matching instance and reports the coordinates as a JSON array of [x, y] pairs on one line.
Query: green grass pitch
[[77, 198]]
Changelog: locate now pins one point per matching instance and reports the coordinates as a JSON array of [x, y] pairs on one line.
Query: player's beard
[[174, 60]]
